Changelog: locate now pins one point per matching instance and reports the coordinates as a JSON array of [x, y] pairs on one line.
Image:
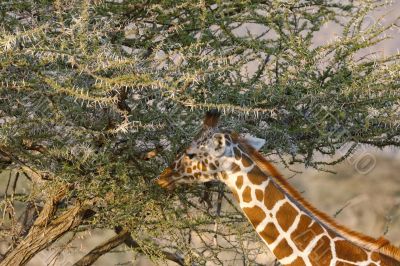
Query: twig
[[14, 184], [8, 184], [260, 70], [389, 218], [341, 209], [219, 207], [206, 195]]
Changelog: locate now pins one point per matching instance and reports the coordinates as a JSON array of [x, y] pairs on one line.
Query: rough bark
[[46, 230]]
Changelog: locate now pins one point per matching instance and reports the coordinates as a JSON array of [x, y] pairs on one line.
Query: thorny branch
[[78, 80], [123, 237], [130, 242]]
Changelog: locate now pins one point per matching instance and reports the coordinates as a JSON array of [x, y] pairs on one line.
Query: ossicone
[[211, 118]]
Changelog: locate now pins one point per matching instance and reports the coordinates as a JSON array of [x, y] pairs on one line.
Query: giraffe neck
[[291, 230]]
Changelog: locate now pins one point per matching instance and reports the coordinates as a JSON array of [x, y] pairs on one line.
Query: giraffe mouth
[[166, 179]]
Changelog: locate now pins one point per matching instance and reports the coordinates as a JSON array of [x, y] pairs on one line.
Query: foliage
[[99, 95]]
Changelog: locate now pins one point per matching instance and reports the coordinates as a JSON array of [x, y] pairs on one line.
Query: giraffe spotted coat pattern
[[296, 232]]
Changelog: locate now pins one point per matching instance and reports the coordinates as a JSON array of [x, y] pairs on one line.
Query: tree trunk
[[46, 230]]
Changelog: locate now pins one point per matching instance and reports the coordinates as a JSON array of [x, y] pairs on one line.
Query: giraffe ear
[[211, 118], [256, 143]]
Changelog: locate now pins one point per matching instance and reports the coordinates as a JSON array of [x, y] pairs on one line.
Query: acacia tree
[[96, 97]]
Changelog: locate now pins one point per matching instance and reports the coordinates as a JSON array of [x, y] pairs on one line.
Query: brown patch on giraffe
[[321, 253], [286, 215], [256, 176], [246, 160], [316, 228], [272, 195], [283, 250], [255, 214], [246, 196], [189, 170], [259, 194], [212, 166], [239, 182], [342, 263], [204, 166], [235, 168], [331, 233], [303, 234], [270, 233], [375, 256], [238, 154], [348, 251], [385, 260], [297, 262], [224, 175]]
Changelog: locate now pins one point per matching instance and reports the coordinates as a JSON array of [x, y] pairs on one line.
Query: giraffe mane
[[380, 245]]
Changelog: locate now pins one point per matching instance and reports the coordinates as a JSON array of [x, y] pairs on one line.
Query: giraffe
[[295, 231]]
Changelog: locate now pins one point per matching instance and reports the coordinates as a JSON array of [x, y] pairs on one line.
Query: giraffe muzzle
[[166, 179]]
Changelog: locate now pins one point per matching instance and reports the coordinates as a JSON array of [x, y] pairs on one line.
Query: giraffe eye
[[190, 155]]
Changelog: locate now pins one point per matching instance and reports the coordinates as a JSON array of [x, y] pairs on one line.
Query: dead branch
[[5, 160], [46, 229], [103, 248], [130, 242], [123, 236]]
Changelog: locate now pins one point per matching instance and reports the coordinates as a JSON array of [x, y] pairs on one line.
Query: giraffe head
[[208, 157]]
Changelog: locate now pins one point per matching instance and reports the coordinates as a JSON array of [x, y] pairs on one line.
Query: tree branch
[[103, 248], [130, 242], [46, 230]]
